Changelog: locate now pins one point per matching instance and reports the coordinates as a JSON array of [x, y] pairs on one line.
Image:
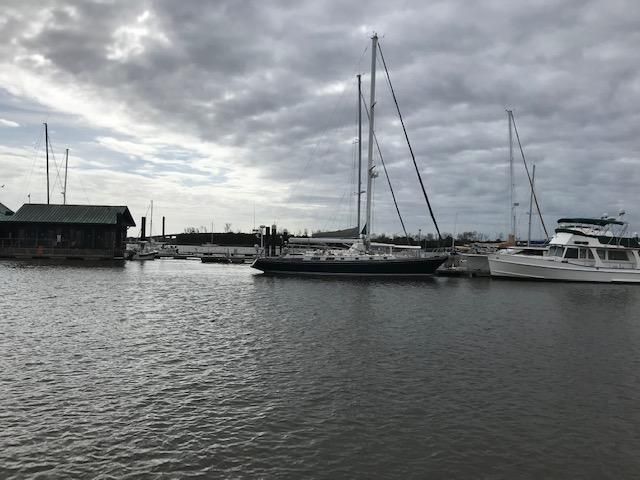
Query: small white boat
[[476, 262], [144, 255], [141, 251], [582, 250]]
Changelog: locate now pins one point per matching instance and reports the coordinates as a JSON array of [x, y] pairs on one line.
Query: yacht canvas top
[[565, 236], [602, 222]]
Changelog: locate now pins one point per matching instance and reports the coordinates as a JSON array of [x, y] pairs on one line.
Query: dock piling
[[267, 241], [273, 241], [143, 228]]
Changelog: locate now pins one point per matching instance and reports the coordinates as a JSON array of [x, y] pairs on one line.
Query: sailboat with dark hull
[[369, 265], [363, 258]]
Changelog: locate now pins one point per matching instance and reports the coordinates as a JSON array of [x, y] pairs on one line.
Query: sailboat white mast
[[46, 146], [359, 151], [370, 166], [151, 221], [66, 165], [533, 183], [511, 182]]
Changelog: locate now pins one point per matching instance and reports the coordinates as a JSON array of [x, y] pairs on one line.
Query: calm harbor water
[[177, 369]]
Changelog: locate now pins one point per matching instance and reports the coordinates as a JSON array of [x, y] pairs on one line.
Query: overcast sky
[[216, 110]]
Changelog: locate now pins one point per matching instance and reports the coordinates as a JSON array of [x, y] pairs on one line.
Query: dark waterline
[[176, 369]]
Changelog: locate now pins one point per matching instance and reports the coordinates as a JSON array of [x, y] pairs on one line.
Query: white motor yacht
[[582, 250]]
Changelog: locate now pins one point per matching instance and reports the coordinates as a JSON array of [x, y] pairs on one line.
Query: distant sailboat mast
[[151, 221], [370, 166], [46, 145], [66, 165], [512, 187], [514, 204], [533, 183]]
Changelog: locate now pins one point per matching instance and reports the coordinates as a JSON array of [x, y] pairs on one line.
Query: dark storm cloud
[[265, 76]]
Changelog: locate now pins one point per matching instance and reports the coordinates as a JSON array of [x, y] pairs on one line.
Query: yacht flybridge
[[363, 257], [582, 250]]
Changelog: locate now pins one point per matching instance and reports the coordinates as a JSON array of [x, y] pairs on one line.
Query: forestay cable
[[393, 195], [535, 198], [406, 136]]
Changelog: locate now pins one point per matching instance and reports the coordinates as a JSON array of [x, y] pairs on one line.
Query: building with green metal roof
[[65, 231]]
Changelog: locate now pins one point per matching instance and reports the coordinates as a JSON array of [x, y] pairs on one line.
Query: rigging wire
[[333, 220], [84, 190], [146, 214], [535, 198], [353, 181], [393, 195], [339, 203], [55, 164], [313, 155], [36, 151], [406, 136]]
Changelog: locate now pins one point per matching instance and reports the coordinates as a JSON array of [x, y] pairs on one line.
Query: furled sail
[[351, 232]]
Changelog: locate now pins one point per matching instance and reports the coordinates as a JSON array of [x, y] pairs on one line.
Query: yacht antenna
[[370, 166]]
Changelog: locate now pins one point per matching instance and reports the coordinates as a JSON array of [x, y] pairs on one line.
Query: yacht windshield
[[555, 251]]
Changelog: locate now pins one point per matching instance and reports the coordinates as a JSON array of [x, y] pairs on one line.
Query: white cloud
[[8, 123], [132, 149], [334, 88], [132, 40]]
